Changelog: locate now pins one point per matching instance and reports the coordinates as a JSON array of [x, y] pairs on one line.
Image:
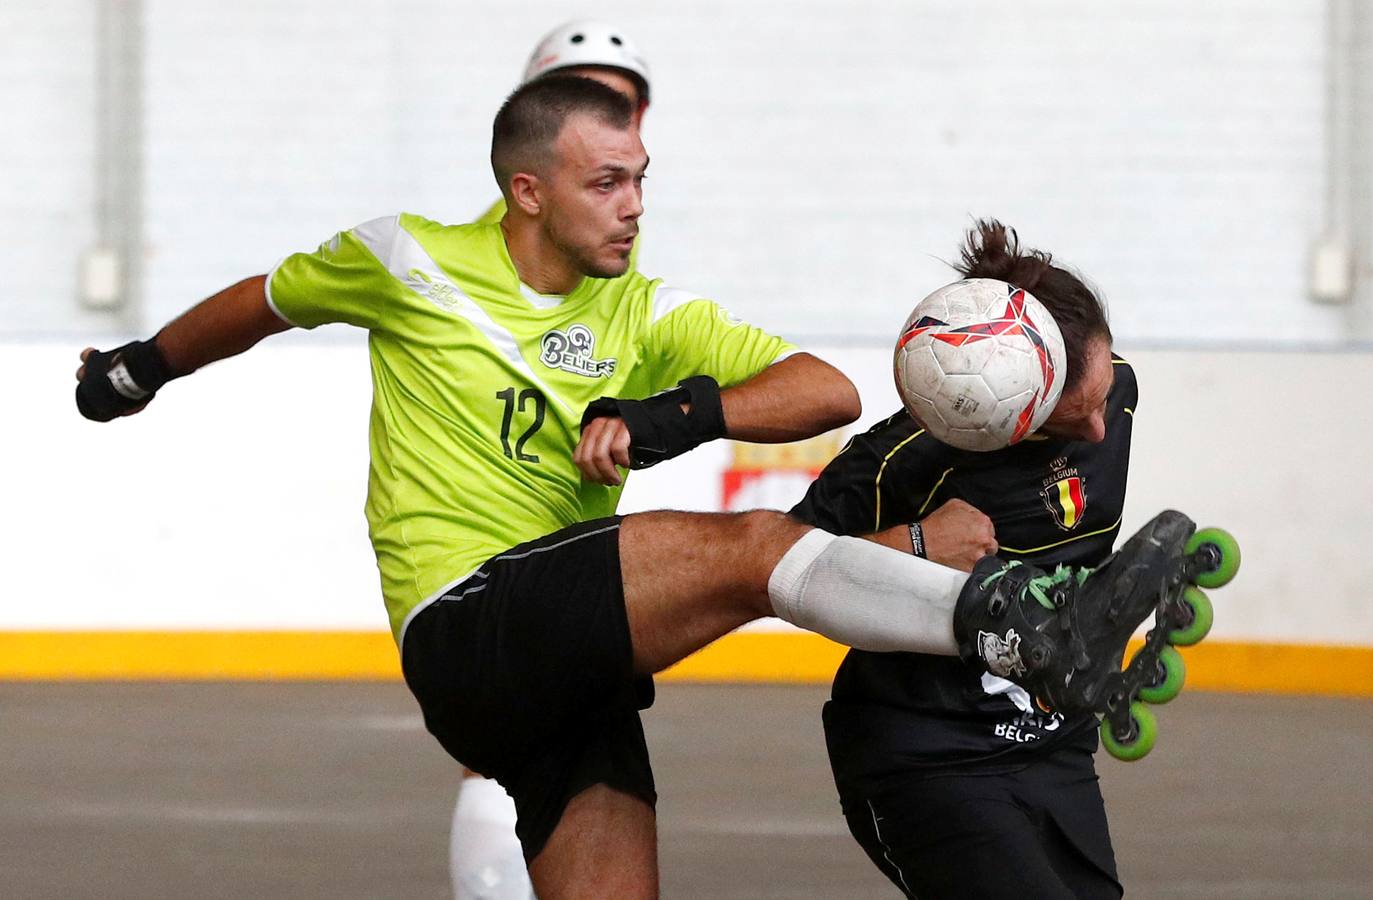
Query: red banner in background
[[774, 476]]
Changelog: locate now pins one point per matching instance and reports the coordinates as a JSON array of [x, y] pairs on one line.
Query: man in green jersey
[[506, 361], [485, 861]]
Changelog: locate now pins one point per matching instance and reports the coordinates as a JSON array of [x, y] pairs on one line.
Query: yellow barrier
[[172, 655], [752, 656]]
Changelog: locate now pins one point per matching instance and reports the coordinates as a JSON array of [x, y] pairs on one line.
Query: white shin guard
[[866, 596]]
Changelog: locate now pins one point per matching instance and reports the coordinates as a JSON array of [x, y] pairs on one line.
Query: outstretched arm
[[797, 398], [701, 346], [222, 326], [122, 382]]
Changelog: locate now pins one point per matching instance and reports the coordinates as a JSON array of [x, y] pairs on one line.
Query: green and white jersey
[[479, 385]]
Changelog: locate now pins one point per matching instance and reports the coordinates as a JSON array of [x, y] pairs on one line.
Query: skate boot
[[1062, 635]]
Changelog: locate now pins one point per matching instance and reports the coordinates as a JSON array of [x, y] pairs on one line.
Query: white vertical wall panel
[[273, 126], [1170, 149], [47, 161], [807, 155]]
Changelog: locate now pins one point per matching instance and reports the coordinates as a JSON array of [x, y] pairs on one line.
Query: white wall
[[806, 154], [236, 500], [47, 161]]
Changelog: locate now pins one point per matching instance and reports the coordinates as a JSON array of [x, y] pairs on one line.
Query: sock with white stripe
[[867, 596]]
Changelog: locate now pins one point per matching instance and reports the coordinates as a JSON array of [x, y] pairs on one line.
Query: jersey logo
[[444, 296], [571, 351], [1065, 494]]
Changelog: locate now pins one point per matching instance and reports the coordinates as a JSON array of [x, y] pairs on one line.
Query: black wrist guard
[[658, 429], [121, 379]]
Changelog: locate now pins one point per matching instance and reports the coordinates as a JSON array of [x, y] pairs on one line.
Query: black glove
[[121, 379], [658, 429]]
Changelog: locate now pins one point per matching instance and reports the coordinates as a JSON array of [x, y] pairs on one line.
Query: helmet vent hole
[[615, 40], [578, 38]]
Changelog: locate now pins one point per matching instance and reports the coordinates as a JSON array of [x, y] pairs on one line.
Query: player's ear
[[525, 193]]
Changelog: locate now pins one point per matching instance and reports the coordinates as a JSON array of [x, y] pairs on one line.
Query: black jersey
[[1051, 501]]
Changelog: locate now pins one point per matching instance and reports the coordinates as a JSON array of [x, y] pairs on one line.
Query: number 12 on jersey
[[513, 405]]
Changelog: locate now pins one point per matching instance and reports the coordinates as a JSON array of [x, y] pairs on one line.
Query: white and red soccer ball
[[980, 363]]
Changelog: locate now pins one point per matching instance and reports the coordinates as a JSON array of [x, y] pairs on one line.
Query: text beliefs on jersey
[[572, 351]]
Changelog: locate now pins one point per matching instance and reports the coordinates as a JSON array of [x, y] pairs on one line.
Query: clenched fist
[[957, 535]]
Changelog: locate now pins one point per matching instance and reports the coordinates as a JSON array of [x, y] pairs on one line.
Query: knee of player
[[759, 527], [762, 536]]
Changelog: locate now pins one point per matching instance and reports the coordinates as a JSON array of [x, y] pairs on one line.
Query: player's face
[[1081, 412], [595, 195]]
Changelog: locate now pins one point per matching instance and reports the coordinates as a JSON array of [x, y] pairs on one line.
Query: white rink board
[[236, 501]]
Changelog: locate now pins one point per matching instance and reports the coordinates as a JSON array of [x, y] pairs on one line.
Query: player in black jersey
[[954, 781]]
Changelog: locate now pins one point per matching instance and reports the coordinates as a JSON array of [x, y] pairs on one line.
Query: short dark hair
[[991, 250], [532, 117], [640, 86]]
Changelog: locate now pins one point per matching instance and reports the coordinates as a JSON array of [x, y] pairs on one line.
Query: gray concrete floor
[[334, 790]]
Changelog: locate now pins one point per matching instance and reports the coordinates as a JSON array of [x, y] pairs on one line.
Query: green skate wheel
[[1202, 617], [1171, 674], [1229, 550], [1138, 745]]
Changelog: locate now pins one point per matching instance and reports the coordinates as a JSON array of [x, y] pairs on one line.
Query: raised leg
[[690, 578]]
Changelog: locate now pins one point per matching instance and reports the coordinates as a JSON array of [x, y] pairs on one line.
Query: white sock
[[485, 861], [866, 596]]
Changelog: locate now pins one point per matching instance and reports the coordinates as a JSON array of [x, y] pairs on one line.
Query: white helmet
[[587, 43]]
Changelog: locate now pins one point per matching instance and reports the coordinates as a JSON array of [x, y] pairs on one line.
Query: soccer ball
[[980, 363]]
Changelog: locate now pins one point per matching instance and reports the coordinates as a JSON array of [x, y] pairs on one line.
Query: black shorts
[[1038, 831], [524, 673]]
